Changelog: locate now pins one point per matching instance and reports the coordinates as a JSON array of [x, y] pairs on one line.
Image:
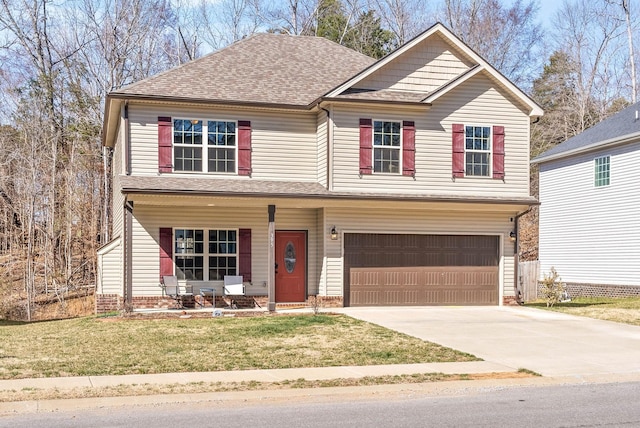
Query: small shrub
[[552, 288], [316, 303]]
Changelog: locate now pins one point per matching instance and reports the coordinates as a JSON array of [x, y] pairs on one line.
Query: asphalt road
[[583, 405]]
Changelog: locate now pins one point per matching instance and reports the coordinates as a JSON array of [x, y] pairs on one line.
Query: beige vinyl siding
[[591, 234], [110, 268], [322, 147], [149, 219], [117, 198], [424, 68], [284, 144], [407, 221], [476, 102]]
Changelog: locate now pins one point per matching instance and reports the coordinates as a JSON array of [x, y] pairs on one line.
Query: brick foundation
[[598, 290], [509, 301], [113, 302], [108, 303]]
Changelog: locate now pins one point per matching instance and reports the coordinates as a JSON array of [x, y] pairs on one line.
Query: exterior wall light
[[334, 234], [512, 236]]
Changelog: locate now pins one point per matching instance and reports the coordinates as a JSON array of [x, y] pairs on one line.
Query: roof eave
[[629, 138], [408, 104], [209, 101], [333, 196]]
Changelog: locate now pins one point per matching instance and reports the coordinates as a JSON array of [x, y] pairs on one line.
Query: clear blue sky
[[547, 9]]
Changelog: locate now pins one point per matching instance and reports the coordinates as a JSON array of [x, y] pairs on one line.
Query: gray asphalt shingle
[[619, 125], [263, 68]]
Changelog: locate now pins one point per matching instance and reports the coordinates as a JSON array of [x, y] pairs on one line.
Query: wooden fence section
[[528, 274]]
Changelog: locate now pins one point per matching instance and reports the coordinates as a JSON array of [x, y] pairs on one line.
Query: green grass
[[624, 310], [117, 346]]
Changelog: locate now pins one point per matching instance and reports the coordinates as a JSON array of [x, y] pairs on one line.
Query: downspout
[[516, 252]]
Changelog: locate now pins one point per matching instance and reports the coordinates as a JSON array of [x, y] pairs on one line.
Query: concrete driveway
[[550, 343]]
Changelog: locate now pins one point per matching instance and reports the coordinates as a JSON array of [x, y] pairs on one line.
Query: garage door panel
[[421, 269]]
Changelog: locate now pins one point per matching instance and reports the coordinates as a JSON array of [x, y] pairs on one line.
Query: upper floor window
[[602, 171], [477, 151], [386, 146], [215, 153]]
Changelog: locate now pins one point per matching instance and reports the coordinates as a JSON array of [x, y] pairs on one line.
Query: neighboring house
[[589, 221], [310, 169]]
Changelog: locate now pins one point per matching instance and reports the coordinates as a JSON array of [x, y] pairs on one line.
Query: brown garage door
[[388, 270]]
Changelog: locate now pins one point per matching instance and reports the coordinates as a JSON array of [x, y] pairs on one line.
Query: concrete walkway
[[549, 343]]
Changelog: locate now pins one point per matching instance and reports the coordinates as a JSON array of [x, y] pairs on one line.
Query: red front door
[[291, 266]]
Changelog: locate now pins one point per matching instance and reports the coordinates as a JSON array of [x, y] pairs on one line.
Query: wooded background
[[58, 60]]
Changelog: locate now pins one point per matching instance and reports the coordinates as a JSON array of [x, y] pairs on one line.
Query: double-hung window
[[204, 146], [602, 171], [387, 146], [189, 254], [223, 254], [477, 151], [205, 255]]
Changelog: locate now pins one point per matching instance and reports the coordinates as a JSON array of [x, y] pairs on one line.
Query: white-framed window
[[204, 145], [387, 146], [223, 254], [477, 151], [602, 171], [205, 254]]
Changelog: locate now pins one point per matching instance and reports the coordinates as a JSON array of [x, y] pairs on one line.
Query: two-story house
[[310, 169], [589, 222]]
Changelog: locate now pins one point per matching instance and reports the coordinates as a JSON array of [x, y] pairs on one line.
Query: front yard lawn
[[624, 310], [117, 346]]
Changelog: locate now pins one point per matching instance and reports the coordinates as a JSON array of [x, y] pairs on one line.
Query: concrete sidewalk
[[279, 375]]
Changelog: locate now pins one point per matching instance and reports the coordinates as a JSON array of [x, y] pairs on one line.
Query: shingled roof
[[263, 68], [621, 127]]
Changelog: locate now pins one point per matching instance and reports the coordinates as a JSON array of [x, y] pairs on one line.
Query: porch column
[[271, 257], [128, 256]]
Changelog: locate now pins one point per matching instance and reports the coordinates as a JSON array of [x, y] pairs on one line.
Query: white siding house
[[364, 182], [589, 228]]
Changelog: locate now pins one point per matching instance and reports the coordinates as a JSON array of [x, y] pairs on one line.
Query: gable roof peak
[[449, 37]]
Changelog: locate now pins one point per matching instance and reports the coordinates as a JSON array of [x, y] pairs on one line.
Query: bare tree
[[405, 18], [507, 37]]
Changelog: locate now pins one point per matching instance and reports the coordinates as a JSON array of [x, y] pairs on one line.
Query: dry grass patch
[[92, 347], [623, 310], [203, 387]]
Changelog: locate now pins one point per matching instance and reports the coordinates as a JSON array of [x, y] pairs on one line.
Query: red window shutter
[[498, 152], [244, 147], [165, 137], [458, 150], [244, 247], [366, 146], [166, 251], [408, 148]]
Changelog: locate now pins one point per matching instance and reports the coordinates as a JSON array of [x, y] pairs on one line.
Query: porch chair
[[233, 286], [171, 288]]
